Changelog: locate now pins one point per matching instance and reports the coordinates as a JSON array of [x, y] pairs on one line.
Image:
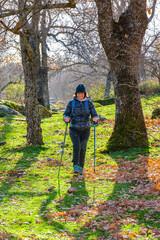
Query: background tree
[[44, 61], [25, 24], [122, 41], [149, 58]]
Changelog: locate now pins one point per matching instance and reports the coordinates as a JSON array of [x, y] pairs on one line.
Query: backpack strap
[[73, 105]]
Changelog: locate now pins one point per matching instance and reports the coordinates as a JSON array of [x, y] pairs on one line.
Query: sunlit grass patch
[[121, 199]]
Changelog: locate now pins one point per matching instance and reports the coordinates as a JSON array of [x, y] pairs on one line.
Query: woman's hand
[[67, 119], [95, 119]]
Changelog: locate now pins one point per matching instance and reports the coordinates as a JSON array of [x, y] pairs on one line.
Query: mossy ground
[[119, 201], [14, 106]]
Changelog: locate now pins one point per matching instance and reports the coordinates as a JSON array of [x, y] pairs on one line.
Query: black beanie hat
[[80, 88]]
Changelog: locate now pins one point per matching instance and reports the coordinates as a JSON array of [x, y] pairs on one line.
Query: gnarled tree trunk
[[29, 41], [29, 61], [122, 42]]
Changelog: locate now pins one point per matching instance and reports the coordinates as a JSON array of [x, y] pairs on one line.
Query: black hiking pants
[[79, 139]]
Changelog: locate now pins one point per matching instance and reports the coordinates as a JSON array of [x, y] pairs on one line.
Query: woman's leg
[[83, 145], [75, 138]]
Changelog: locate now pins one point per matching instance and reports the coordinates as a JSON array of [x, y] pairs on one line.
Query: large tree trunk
[[129, 130], [29, 46], [122, 44], [34, 131]]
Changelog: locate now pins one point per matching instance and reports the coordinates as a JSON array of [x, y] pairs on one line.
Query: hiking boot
[[75, 169], [80, 169]]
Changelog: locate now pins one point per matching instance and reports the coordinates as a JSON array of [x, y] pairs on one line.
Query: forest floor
[[121, 200]]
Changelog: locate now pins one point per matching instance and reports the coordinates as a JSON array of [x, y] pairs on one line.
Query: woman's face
[[80, 95]]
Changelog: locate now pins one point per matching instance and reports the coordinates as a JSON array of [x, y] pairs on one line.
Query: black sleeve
[[67, 112], [93, 110]]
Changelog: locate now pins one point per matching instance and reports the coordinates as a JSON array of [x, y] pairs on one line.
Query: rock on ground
[[7, 111]]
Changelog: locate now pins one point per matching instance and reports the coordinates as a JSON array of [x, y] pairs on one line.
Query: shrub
[[149, 88], [156, 113], [97, 91], [14, 92], [96, 104], [106, 101]]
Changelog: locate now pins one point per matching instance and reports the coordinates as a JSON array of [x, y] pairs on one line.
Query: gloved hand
[[67, 119], [95, 119]]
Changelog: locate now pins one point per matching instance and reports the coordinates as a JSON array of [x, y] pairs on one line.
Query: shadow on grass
[[8, 126], [47, 214], [12, 176], [77, 193], [5, 129], [19, 170], [68, 207]]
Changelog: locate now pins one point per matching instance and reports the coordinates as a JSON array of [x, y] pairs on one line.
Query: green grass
[[121, 200]]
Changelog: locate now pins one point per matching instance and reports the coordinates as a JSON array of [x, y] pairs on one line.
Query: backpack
[[85, 103]]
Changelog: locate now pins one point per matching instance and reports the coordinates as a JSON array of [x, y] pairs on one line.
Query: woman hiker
[[77, 113]]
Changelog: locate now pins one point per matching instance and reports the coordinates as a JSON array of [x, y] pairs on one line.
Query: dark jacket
[[79, 113]]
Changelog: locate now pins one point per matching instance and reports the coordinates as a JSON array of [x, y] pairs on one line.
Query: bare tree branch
[[17, 27], [7, 84], [152, 42], [11, 12]]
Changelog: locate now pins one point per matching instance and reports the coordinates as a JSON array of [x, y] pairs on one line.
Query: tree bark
[[29, 46], [29, 62], [42, 81], [42, 86], [108, 85], [122, 42], [40, 97], [44, 62]]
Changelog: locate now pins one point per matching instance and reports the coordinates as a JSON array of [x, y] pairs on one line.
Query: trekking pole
[[62, 150], [94, 145]]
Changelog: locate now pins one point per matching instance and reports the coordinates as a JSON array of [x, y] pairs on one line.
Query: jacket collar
[[84, 99]]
